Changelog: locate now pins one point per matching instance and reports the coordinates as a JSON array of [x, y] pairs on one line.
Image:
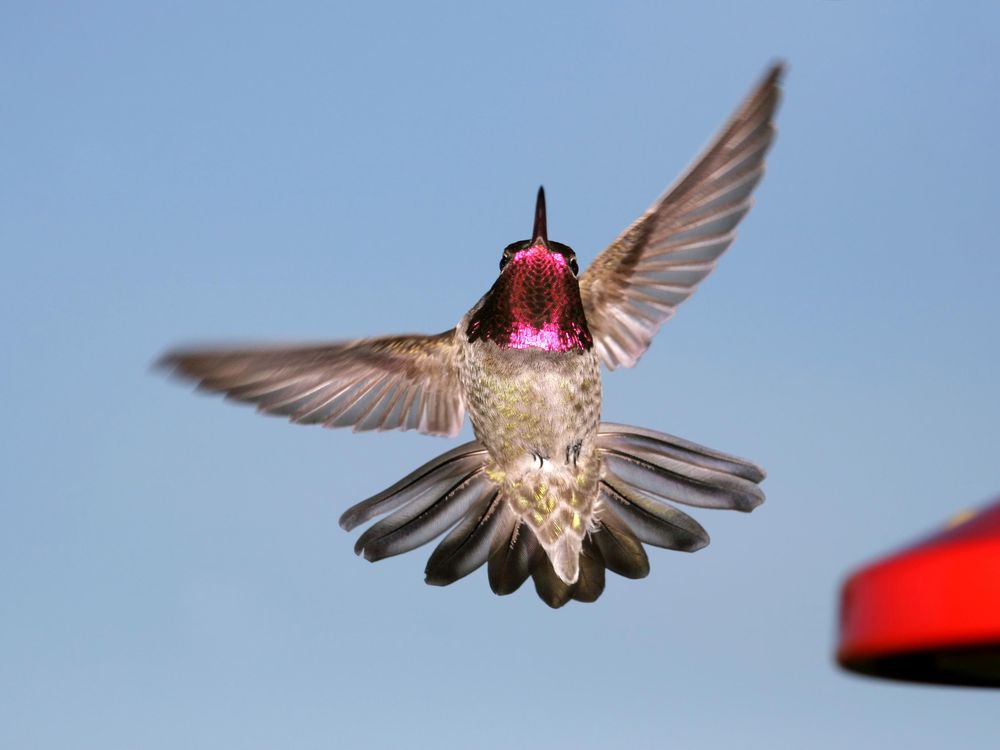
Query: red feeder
[[930, 613]]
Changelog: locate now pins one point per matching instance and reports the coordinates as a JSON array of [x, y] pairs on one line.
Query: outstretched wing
[[635, 285], [393, 382]]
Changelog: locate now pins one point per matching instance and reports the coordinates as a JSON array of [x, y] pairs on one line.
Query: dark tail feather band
[[643, 472]]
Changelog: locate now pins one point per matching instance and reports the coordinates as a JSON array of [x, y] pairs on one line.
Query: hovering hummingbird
[[546, 490]]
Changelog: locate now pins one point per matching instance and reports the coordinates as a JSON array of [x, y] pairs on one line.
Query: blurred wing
[[635, 285], [393, 382]]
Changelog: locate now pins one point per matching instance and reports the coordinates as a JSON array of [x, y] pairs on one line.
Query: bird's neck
[[535, 304]]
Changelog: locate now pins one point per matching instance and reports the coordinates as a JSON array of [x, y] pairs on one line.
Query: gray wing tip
[[166, 361], [192, 364], [174, 363], [776, 72]]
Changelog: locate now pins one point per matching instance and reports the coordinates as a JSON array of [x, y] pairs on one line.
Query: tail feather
[[629, 439], [643, 471], [681, 471], [424, 519], [515, 551], [552, 589], [653, 522], [588, 586], [590, 583], [434, 474], [468, 545], [620, 549]]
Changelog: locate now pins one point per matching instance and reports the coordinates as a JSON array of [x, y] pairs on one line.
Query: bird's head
[[539, 256], [535, 303]]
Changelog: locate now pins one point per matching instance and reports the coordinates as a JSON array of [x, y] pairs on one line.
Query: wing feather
[[393, 382], [661, 258]]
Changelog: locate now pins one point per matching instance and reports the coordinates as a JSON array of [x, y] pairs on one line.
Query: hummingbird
[[546, 490]]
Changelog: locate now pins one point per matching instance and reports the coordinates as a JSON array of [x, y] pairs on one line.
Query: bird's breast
[[531, 403]]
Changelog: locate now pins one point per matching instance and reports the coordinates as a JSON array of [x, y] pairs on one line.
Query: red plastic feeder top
[[930, 613]]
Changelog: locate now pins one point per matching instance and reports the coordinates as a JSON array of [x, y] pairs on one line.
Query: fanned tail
[[643, 472], [678, 470], [424, 504]]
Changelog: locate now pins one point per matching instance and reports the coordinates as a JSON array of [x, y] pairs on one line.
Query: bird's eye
[[567, 252], [508, 252], [505, 258]]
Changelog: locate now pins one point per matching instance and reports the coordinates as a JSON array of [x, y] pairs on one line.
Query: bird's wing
[[408, 382], [635, 285]]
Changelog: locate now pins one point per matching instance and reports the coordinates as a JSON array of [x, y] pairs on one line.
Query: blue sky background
[[171, 570]]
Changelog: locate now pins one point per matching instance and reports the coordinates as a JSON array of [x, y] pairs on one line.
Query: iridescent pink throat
[[535, 304]]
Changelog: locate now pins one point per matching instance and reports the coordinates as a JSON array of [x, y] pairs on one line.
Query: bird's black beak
[[540, 233]]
